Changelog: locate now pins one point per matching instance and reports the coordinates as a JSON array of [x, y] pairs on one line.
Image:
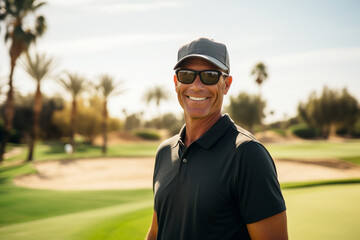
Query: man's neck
[[195, 128]]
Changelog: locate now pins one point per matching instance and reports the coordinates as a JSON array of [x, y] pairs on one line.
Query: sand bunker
[[91, 174], [133, 173]]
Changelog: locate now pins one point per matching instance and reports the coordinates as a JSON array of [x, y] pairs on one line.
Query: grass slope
[[70, 226], [133, 225], [20, 205]]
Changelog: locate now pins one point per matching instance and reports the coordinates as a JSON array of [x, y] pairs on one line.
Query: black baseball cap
[[207, 49]]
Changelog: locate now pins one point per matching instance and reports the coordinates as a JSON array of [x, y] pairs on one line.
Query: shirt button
[[184, 160]]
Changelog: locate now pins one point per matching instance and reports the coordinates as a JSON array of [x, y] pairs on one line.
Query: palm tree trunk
[[35, 130], [9, 111], [159, 114], [261, 113], [73, 124], [105, 116]]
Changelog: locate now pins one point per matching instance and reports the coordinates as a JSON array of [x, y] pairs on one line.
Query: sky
[[305, 45]]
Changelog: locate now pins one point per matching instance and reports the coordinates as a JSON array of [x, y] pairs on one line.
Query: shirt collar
[[212, 135], [181, 137]]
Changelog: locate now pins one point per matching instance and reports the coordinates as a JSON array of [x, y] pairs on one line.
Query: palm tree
[[261, 75], [20, 36], [74, 84], [38, 68], [107, 88], [156, 94]]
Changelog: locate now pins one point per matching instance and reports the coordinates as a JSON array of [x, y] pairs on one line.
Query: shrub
[[148, 134], [303, 130]]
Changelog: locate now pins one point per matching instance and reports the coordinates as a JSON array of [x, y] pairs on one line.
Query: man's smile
[[197, 98]]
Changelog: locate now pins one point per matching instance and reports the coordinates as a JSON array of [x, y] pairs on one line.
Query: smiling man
[[213, 180]]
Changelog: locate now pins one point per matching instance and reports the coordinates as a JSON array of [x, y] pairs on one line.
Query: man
[[213, 180]]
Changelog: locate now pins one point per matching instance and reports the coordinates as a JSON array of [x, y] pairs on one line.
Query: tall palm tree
[[107, 88], [38, 68], [157, 94], [74, 84], [20, 36], [260, 73]]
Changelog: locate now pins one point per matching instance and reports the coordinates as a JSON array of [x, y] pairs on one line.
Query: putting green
[[324, 212]]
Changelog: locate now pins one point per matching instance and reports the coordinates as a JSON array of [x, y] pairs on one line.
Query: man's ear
[[175, 81], [227, 81]]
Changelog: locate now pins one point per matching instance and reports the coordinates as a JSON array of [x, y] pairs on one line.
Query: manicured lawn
[[347, 151], [324, 212], [316, 212], [132, 225], [84, 224], [19, 205], [55, 151]]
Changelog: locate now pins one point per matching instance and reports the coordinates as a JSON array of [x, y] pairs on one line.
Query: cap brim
[[208, 58]]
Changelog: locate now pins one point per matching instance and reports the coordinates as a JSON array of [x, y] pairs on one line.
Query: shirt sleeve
[[258, 191]]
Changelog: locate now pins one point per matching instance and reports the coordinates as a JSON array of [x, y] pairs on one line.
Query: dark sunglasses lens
[[185, 76], [210, 77]]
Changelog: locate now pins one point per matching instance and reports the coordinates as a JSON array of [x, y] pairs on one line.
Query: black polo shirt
[[217, 185]]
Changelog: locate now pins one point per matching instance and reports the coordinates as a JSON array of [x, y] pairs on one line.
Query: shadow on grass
[[3, 180], [355, 160]]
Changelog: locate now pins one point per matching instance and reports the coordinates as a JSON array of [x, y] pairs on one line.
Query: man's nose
[[197, 82]]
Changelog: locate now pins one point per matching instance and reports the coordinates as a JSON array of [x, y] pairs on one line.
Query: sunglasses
[[207, 77]]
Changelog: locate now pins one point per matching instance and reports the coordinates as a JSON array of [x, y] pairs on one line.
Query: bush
[[304, 131], [14, 136], [148, 135]]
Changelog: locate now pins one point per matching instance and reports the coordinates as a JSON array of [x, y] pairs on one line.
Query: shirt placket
[[184, 161]]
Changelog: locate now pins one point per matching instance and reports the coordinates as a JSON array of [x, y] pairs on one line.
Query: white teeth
[[197, 98]]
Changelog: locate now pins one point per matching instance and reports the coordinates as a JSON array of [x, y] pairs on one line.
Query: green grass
[[22, 204], [324, 212], [307, 184], [79, 225], [45, 214], [319, 212], [347, 151], [133, 225], [55, 151]]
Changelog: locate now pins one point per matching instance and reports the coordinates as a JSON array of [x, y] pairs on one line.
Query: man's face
[[198, 100]]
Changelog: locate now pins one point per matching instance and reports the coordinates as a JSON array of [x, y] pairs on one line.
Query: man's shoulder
[[243, 136]]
